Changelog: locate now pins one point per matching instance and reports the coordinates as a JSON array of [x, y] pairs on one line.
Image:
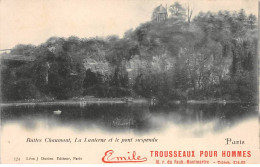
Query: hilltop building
[[161, 13]]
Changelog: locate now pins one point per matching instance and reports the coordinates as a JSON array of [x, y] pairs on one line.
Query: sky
[[35, 21]]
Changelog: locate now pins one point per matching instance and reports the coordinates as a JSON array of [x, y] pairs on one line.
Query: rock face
[[101, 67]]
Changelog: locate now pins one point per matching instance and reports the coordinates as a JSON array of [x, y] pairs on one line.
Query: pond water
[[139, 118]]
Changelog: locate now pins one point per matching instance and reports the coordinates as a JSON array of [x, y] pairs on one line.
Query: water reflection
[[123, 117]]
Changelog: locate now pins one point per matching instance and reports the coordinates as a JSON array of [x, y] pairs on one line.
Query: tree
[[252, 20], [177, 11], [25, 50], [241, 16], [189, 13]]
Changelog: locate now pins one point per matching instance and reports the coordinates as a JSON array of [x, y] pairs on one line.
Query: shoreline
[[103, 101]]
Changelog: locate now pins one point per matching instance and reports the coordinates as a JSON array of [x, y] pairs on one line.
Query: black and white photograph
[[75, 74]]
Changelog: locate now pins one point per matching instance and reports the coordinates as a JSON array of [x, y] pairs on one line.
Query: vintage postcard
[[129, 81]]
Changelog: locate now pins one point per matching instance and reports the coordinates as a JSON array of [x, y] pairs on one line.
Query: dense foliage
[[214, 56]]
